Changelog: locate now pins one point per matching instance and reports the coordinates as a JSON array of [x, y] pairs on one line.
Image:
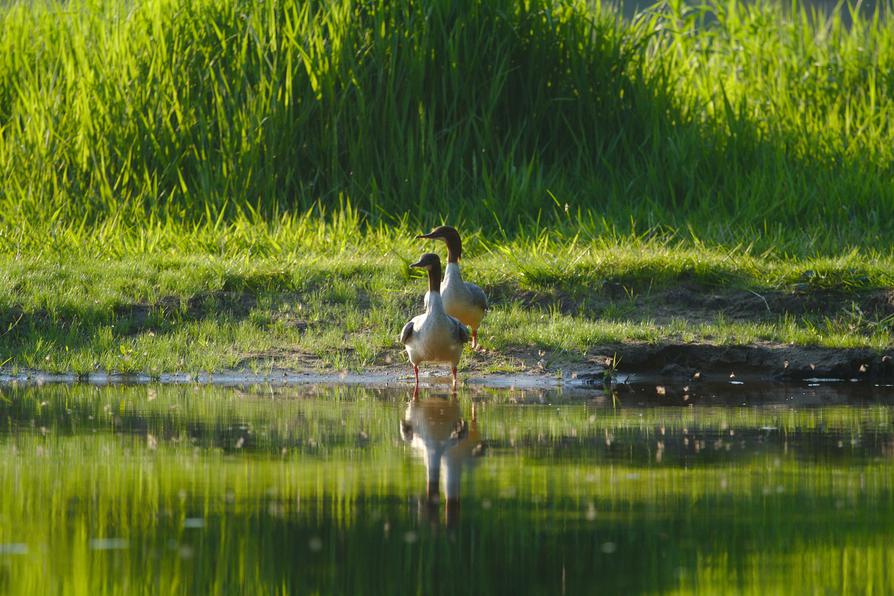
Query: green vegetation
[[326, 296], [721, 122], [206, 184], [197, 185], [200, 489]]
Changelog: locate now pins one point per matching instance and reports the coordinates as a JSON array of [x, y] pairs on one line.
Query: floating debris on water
[[14, 548], [108, 544], [591, 512]]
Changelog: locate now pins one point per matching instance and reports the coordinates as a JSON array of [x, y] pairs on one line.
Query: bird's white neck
[[433, 455], [453, 469], [433, 302], [452, 274]]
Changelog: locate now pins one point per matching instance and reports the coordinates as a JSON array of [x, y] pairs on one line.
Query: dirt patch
[[671, 362], [763, 361], [288, 359], [701, 303]]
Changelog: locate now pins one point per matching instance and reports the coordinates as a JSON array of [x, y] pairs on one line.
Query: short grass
[[308, 294]]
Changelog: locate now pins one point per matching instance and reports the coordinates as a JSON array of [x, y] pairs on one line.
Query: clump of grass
[[724, 122]]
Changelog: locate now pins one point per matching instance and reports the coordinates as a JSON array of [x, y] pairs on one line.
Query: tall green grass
[[722, 122]]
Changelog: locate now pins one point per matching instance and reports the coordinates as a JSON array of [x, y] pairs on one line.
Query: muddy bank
[[605, 366], [385, 377], [688, 361], [685, 301]]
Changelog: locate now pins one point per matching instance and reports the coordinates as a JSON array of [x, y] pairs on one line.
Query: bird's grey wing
[[406, 332], [460, 331], [479, 299], [460, 430]]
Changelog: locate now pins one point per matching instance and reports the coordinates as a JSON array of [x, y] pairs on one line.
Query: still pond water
[[313, 489]]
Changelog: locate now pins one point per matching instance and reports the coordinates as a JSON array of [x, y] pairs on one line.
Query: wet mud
[[771, 362]]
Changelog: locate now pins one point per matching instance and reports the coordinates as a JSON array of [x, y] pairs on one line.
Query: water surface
[[199, 489]]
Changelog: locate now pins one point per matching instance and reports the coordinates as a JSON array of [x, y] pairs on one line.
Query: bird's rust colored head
[[431, 262], [451, 237]]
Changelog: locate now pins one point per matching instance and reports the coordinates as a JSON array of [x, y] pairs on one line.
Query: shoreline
[[639, 363]]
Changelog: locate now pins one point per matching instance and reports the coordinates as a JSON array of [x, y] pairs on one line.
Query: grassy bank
[[207, 184], [734, 123], [324, 296]]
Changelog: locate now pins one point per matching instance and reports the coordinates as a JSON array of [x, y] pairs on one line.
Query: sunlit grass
[[217, 184], [134, 125]]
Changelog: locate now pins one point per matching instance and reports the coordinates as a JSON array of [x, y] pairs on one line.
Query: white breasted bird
[[448, 444], [434, 336], [462, 300]]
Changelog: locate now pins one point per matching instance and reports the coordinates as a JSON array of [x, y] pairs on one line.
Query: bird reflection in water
[[434, 426]]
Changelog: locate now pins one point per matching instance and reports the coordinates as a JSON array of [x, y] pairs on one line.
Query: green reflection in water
[[300, 490]]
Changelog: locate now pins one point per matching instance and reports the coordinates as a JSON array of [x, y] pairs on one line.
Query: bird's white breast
[[457, 299], [433, 334]]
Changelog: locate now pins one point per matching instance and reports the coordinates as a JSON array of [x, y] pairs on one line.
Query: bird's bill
[[429, 236]]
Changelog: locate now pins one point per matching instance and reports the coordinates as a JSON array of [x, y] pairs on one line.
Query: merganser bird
[[434, 336], [448, 445], [462, 300], [433, 426]]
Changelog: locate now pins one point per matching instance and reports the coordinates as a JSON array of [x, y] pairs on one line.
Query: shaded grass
[[327, 295]]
